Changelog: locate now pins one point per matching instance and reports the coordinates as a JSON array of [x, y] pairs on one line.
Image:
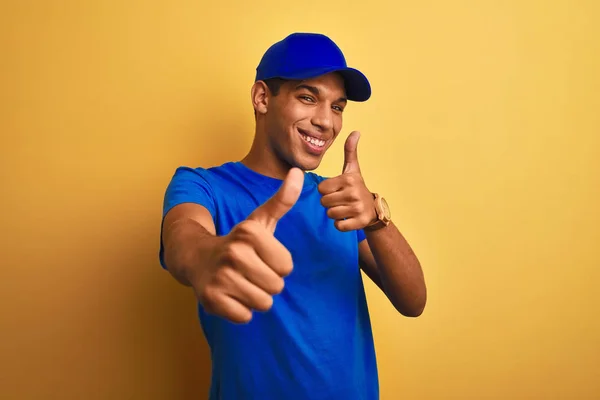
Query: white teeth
[[316, 142]]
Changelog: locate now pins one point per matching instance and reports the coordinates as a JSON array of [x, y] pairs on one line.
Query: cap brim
[[357, 85]]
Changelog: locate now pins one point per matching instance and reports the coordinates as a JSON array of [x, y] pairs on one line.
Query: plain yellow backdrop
[[483, 133]]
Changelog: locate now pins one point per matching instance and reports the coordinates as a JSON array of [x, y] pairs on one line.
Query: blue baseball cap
[[307, 55]]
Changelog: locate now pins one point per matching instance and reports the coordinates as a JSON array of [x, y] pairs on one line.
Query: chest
[[318, 248]]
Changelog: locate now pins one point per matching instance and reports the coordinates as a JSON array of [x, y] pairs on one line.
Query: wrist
[[382, 214], [196, 253]]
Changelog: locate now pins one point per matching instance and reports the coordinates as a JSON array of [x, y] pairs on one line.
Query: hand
[[346, 197], [247, 267]]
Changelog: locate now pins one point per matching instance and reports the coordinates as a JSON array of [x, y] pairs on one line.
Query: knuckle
[[223, 275], [246, 228], [235, 252], [207, 298], [359, 208], [237, 231], [252, 230], [244, 225]]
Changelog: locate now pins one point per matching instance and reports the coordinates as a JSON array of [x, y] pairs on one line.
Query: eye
[[338, 108], [307, 98]]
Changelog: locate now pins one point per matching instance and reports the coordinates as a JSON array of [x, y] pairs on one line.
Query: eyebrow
[[314, 90]]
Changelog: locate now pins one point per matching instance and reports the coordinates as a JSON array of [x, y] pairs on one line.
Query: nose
[[323, 118]]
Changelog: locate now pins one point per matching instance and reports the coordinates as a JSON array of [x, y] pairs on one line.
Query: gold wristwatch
[[384, 216]]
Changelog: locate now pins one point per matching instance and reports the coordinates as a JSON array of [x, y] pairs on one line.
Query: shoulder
[[190, 172], [316, 178], [202, 175], [201, 185], [187, 181]]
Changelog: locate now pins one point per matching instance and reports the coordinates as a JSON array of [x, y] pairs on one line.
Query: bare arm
[[389, 261], [236, 273], [188, 235], [368, 265]]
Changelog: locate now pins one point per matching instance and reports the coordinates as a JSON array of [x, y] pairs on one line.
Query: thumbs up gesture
[[247, 266], [346, 197]]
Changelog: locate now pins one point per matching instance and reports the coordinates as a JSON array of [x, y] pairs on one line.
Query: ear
[[260, 97]]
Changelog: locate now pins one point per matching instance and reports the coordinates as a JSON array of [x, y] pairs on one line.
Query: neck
[[262, 159]]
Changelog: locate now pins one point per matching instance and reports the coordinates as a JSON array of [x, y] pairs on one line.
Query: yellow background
[[483, 132]]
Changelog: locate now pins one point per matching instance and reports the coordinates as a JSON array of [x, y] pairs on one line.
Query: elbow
[[412, 309], [412, 312]]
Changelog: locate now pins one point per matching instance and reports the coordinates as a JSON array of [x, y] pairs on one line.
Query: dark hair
[[274, 84]]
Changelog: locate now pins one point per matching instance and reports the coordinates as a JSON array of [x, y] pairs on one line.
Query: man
[[272, 251]]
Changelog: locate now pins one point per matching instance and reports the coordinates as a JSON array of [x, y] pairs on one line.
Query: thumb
[[351, 154], [271, 211]]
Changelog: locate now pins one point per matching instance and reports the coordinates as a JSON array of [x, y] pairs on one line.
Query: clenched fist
[[346, 197], [247, 266]]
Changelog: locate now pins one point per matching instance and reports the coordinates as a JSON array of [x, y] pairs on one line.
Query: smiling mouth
[[312, 140]]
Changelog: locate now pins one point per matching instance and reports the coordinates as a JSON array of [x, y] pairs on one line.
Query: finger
[[336, 199], [341, 212], [331, 185], [269, 213], [248, 294], [273, 253], [346, 225], [351, 153], [230, 308], [253, 268]]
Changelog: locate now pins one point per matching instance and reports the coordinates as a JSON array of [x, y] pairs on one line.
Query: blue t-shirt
[[315, 343]]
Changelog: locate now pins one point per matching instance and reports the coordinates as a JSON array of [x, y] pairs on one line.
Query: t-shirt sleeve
[[360, 233], [188, 185]]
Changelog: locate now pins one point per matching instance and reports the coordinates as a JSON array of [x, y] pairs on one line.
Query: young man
[[273, 252]]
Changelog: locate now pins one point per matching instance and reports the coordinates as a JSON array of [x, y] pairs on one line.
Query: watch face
[[386, 208]]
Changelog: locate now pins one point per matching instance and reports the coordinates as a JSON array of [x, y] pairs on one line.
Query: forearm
[[399, 270], [186, 245]]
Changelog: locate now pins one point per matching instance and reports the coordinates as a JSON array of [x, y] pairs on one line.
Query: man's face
[[304, 119]]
